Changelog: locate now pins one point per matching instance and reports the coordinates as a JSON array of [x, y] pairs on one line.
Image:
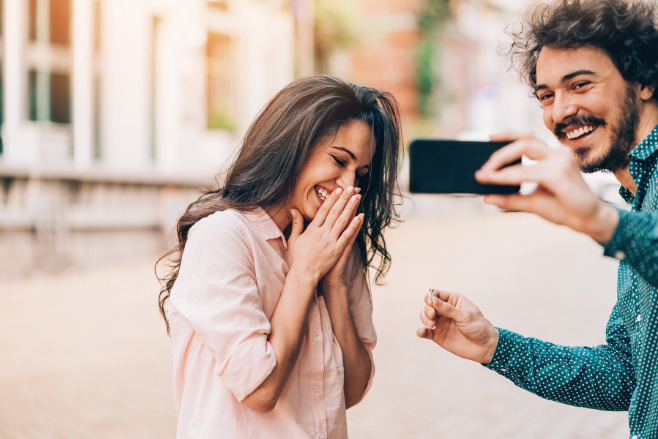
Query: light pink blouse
[[230, 281]]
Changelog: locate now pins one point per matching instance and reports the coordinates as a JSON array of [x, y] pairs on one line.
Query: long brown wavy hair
[[274, 151]]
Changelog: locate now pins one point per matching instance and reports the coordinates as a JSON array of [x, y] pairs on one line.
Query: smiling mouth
[[323, 194], [580, 132]]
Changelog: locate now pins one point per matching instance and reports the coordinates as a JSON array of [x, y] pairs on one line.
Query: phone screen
[[441, 166]]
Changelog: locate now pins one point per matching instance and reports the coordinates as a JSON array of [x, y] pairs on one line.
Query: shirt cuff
[[504, 348], [615, 247]]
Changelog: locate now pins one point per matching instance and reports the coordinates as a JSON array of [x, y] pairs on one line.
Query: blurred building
[[473, 93], [477, 93], [383, 53], [115, 112]]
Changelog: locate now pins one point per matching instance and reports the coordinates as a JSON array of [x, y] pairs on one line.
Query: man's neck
[[648, 121]]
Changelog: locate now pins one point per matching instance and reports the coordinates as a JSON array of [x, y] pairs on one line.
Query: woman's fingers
[[349, 234], [326, 207], [337, 211], [297, 224], [347, 214]]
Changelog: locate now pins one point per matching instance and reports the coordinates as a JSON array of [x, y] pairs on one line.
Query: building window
[[48, 61], [220, 82], [50, 21], [49, 97]]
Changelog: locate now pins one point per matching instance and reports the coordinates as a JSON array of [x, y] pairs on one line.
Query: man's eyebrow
[[567, 77], [351, 154]]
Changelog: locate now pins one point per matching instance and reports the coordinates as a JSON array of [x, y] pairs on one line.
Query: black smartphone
[[442, 166]]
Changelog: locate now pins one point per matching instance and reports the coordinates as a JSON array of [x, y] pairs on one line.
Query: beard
[[623, 137]]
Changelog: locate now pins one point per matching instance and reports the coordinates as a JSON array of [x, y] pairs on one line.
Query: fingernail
[[339, 191], [357, 189], [350, 189], [354, 199]]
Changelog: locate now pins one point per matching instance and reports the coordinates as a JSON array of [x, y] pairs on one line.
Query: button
[[503, 370], [317, 388], [639, 318], [619, 254], [317, 338]]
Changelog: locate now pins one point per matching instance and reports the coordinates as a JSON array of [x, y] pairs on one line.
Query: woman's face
[[335, 162]]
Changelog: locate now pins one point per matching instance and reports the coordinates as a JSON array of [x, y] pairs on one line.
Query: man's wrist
[[604, 224], [491, 347]]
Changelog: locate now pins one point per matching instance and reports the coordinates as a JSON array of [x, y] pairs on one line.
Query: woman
[[267, 302]]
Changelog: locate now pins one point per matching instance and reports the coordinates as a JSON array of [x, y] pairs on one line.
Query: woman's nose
[[346, 180]]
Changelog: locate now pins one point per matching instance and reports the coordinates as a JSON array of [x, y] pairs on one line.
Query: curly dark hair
[[624, 29], [274, 151]]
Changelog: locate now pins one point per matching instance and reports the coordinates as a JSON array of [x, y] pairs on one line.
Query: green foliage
[[430, 22], [220, 120], [334, 29]]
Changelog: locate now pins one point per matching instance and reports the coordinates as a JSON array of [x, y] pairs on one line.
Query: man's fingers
[[445, 309], [427, 316], [508, 136], [427, 333], [529, 147]]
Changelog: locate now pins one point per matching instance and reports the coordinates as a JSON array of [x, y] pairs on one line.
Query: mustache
[[576, 120]]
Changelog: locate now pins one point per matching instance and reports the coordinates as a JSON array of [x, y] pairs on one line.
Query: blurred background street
[[114, 114], [84, 354]]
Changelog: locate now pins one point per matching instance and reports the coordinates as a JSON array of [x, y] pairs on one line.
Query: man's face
[[588, 105]]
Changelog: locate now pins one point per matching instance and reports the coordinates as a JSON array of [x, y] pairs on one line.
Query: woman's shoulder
[[222, 222]]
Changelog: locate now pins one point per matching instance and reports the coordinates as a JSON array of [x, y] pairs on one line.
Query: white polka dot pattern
[[623, 373]]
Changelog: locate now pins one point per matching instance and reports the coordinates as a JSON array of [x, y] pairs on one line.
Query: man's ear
[[646, 92]]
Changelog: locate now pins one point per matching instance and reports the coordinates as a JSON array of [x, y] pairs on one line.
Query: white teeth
[[579, 132], [321, 193]]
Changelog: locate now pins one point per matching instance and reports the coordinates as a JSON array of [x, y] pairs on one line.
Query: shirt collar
[[260, 219], [647, 146]]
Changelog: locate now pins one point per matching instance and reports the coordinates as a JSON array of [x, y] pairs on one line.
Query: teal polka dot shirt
[[623, 373]]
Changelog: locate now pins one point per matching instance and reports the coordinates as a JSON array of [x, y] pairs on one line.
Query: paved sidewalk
[[85, 355]]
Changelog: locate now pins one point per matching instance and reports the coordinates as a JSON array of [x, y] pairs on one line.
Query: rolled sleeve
[[217, 293]]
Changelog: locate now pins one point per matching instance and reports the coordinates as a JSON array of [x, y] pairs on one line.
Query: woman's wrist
[[304, 278]]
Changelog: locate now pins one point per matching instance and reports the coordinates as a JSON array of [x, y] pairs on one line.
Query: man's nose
[[564, 107]]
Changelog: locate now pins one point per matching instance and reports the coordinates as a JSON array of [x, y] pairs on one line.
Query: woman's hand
[[328, 238]]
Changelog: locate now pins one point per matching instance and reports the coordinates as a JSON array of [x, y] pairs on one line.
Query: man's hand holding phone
[[561, 196]]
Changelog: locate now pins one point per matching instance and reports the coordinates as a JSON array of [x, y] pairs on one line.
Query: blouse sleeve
[[216, 292], [361, 307]]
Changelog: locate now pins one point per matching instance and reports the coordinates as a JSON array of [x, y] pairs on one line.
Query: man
[[593, 65]]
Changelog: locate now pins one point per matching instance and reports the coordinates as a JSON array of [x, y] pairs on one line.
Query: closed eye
[[338, 161]]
